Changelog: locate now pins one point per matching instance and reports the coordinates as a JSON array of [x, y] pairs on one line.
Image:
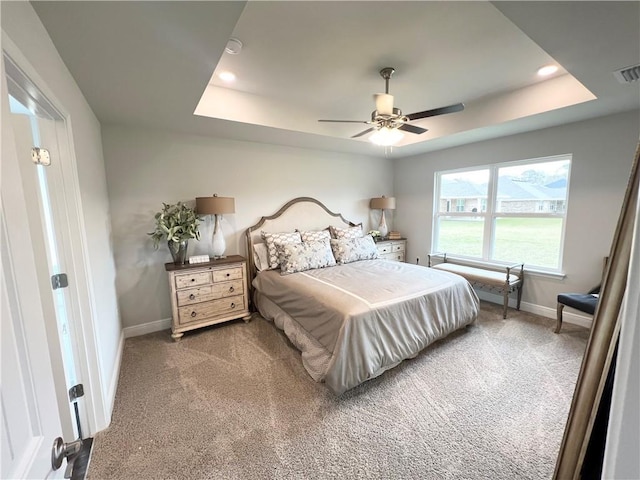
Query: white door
[[35, 344]]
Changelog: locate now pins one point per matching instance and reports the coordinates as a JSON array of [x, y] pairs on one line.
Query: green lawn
[[534, 241]]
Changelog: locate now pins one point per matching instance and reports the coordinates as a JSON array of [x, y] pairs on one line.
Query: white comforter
[[352, 322]]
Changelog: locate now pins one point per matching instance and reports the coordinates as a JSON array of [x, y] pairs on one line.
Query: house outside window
[[516, 212]]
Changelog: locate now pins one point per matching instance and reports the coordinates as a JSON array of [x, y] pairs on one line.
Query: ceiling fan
[[386, 120]]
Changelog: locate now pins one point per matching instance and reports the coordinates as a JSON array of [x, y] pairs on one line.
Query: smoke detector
[[234, 46]]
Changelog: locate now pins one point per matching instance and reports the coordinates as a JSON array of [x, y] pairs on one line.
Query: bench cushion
[[473, 274]]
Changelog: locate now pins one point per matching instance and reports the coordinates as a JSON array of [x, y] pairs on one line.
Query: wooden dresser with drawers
[[392, 249], [208, 293]]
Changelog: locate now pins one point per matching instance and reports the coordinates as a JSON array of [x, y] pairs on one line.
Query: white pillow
[[305, 256], [272, 240], [314, 235], [260, 256], [347, 250], [350, 232]]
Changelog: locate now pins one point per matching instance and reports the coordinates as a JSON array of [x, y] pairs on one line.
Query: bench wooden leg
[[519, 296], [559, 318], [506, 304]]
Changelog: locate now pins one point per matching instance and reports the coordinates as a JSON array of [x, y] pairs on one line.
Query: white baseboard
[[113, 384], [567, 315], [143, 329]]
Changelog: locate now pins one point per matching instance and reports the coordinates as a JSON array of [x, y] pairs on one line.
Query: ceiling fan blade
[[363, 133], [344, 121], [412, 128], [458, 107]]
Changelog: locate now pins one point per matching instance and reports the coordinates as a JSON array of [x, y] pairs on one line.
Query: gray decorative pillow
[[272, 240], [305, 256], [350, 232], [314, 235], [347, 250]]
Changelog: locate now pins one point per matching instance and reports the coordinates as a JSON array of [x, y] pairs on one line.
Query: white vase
[[382, 228], [218, 245]]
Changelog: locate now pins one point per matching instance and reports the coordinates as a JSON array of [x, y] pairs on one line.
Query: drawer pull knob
[[231, 289], [233, 305], [192, 297], [228, 274], [193, 279], [193, 314]]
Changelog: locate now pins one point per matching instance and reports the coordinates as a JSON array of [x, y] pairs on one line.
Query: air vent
[[628, 74]]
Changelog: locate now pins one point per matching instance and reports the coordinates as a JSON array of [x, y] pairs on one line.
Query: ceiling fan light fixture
[[386, 136], [384, 103], [387, 121]]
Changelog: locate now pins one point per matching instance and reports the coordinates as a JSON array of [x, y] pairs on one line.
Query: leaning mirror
[[602, 342]]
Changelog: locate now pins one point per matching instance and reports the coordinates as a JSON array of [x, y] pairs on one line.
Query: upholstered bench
[[502, 281]]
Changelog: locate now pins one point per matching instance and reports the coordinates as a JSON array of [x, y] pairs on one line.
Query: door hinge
[[75, 392], [59, 280], [40, 156]]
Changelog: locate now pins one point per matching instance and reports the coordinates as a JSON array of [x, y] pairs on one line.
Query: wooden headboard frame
[[302, 213]]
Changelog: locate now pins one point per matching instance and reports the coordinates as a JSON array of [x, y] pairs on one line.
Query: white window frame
[[490, 215]]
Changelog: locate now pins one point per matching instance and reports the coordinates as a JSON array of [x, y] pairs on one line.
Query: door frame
[[78, 268]]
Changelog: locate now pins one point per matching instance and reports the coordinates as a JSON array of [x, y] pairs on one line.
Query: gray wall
[[145, 168], [603, 151]]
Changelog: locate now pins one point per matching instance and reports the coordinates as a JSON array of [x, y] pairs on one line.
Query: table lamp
[[217, 206], [383, 203]]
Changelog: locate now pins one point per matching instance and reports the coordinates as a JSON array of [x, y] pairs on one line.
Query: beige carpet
[[234, 402]]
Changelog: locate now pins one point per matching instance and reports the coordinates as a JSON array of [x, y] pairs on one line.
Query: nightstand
[[392, 249], [208, 293]]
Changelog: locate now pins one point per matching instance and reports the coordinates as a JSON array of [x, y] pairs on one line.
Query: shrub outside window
[[504, 213]]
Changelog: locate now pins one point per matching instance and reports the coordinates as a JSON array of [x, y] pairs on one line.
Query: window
[[504, 213]]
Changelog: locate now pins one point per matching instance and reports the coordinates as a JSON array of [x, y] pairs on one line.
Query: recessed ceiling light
[[547, 70], [227, 76]]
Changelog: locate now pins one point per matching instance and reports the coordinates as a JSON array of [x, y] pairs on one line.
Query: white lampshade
[[386, 136]]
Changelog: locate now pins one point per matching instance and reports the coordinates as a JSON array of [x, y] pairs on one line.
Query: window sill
[[544, 273]]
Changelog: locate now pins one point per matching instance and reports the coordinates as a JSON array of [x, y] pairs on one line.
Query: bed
[[354, 320]]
